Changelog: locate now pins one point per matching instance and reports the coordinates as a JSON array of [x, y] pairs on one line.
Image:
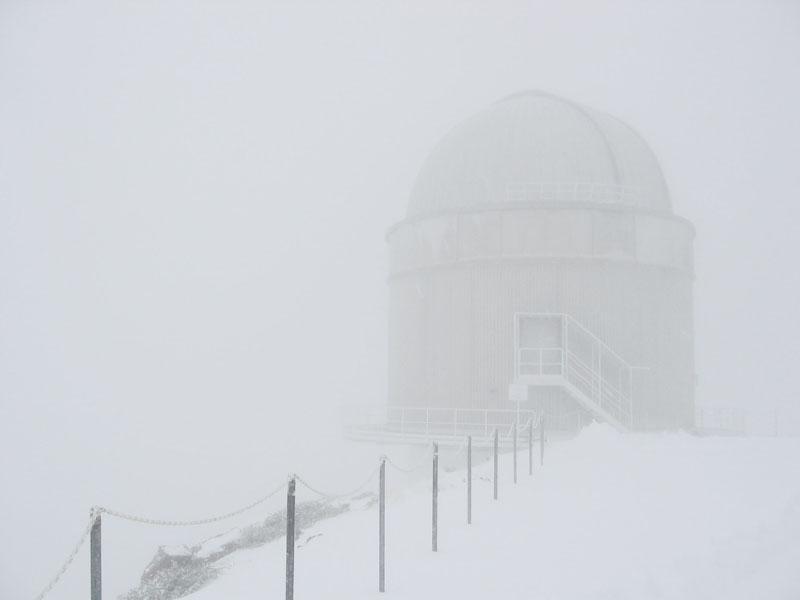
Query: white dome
[[535, 148]]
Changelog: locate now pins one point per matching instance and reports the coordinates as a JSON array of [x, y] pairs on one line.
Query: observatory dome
[[534, 148]]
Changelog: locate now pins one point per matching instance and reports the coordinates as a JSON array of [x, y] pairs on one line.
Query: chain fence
[[414, 468], [336, 496], [168, 523], [97, 511]]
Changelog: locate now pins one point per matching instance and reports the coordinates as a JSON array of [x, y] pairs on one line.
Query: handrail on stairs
[[609, 397]]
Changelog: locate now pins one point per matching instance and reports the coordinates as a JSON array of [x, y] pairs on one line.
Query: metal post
[[95, 558], [382, 528], [435, 499], [469, 480], [515, 453], [541, 440], [530, 447], [290, 528], [495, 463]]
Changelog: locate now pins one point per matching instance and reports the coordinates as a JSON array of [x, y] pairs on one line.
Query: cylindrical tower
[[538, 207]]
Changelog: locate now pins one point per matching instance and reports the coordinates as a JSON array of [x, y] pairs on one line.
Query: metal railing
[[748, 420], [540, 361], [586, 364], [446, 425], [598, 388], [577, 192]]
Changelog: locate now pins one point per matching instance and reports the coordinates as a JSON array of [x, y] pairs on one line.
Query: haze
[[194, 198]]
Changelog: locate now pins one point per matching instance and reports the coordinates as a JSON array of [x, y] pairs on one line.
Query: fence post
[[495, 463], [435, 499], [290, 528], [541, 440], [469, 480], [382, 528], [515, 453], [530, 447], [95, 557]]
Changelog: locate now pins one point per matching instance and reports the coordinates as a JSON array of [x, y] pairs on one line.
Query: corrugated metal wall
[[451, 325]]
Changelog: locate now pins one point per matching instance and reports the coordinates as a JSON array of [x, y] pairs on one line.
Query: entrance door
[[540, 345]]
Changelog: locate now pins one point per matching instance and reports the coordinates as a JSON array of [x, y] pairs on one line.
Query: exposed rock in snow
[[176, 571]]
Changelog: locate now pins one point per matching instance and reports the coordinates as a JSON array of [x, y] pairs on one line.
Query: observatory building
[[540, 266]]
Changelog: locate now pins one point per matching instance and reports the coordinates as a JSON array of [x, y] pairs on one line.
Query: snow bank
[[177, 571], [608, 516]]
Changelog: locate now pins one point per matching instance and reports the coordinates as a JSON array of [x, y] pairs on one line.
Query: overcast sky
[[194, 197]]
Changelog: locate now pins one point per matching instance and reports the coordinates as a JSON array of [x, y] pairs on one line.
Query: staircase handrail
[[597, 338]]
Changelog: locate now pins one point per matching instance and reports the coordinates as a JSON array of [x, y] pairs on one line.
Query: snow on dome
[[537, 148]]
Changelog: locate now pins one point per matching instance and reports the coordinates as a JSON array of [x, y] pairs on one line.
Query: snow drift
[[608, 516]]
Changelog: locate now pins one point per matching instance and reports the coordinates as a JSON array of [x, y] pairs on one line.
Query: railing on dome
[[592, 193]]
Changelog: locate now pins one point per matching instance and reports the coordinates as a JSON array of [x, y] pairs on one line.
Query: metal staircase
[[580, 363]]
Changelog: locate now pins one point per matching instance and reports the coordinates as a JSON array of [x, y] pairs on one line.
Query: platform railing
[[540, 361], [420, 423]]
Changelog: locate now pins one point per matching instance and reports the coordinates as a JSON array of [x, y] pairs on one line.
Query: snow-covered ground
[[608, 516]]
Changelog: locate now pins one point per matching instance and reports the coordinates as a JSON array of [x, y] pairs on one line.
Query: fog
[[194, 199]]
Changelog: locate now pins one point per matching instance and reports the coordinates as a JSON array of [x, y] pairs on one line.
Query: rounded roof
[[536, 148]]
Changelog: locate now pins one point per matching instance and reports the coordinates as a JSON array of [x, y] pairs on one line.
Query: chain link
[[95, 512], [411, 469], [222, 517], [334, 496]]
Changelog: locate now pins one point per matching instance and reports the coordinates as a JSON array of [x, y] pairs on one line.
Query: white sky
[[193, 199]]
